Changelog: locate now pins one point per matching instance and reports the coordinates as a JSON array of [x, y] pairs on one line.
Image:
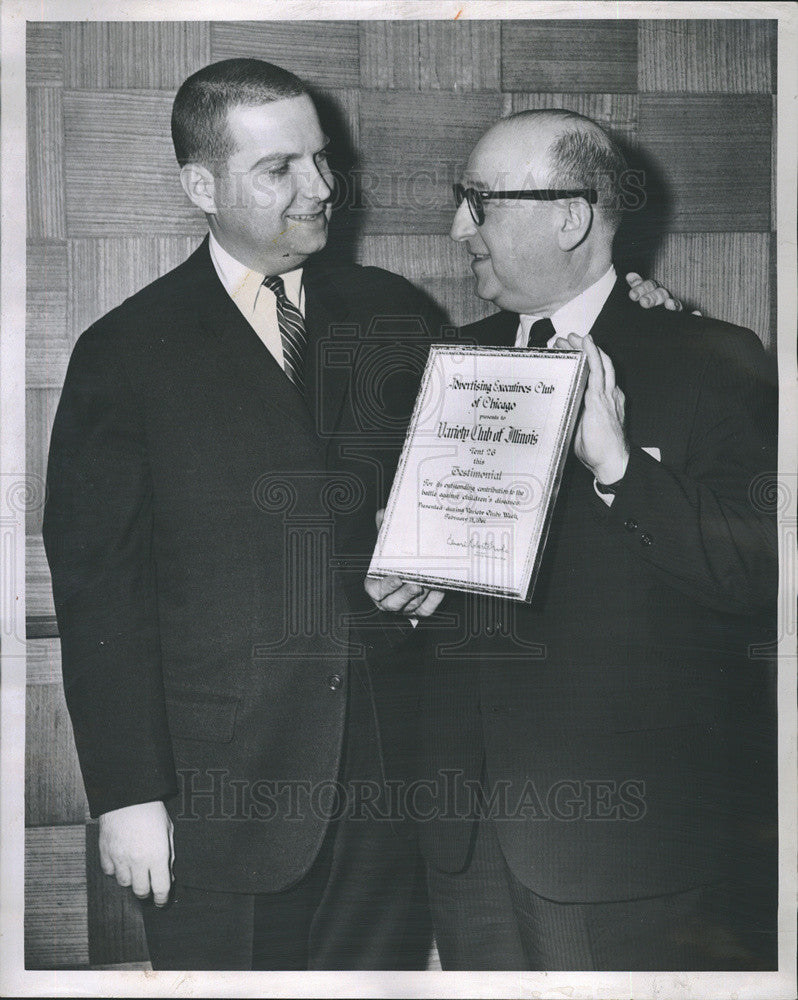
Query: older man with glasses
[[612, 796]]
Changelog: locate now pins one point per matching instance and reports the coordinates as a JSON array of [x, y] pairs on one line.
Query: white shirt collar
[[576, 316], [244, 285]]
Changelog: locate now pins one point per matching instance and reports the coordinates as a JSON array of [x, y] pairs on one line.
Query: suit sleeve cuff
[[635, 498]]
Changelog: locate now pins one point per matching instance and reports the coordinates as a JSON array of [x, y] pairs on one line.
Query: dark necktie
[[541, 331], [292, 331]]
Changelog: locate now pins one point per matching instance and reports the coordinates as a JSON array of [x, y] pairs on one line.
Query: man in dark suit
[[201, 511], [600, 755]]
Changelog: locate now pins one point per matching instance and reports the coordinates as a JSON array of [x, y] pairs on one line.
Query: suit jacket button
[[334, 681], [630, 525], [646, 539]]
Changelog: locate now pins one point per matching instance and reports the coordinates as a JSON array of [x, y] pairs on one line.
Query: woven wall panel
[[339, 115], [47, 363], [121, 173], [411, 152], [44, 54], [774, 176], [725, 275], [691, 144], [54, 792], [434, 263], [773, 288], [569, 56], [56, 927], [324, 53], [40, 405], [104, 272], [43, 660], [389, 54], [48, 344], [45, 179], [156, 55], [116, 930], [617, 112], [459, 55], [39, 594], [706, 56]]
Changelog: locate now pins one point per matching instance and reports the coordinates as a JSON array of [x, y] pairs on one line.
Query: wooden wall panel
[[48, 345], [339, 114], [45, 178], [115, 926], [774, 175], [617, 112], [389, 55], [43, 658], [410, 155], [56, 926], [459, 55], [156, 55], [103, 272], [722, 274], [54, 792], [706, 56], [689, 141], [39, 594], [435, 263], [121, 172], [45, 54], [324, 53], [571, 55], [41, 405], [773, 287]]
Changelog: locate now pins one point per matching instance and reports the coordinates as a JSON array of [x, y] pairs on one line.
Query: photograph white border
[[14, 979]]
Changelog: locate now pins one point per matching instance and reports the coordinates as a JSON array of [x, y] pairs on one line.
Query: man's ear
[[575, 222], [199, 184]]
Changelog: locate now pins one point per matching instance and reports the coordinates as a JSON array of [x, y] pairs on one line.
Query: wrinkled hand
[[649, 293], [137, 846], [392, 594], [600, 440]]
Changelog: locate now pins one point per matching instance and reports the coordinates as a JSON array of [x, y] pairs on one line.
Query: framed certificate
[[471, 503]]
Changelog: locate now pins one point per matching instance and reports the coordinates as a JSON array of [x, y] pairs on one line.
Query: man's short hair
[[199, 114], [586, 156]]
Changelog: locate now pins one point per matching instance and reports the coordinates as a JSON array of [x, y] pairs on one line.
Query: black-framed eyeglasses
[[476, 199]]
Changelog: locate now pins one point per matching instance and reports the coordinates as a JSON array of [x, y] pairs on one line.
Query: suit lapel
[[498, 330], [611, 321], [220, 319], [324, 308]]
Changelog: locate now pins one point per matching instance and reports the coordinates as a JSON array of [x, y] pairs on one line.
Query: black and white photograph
[[398, 499]]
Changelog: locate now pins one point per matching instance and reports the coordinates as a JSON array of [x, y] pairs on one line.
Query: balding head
[[531, 256], [563, 149]]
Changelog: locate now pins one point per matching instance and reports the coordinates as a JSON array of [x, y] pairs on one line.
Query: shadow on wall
[[344, 162], [650, 207]]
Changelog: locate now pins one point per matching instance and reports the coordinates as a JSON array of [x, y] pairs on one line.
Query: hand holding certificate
[[480, 469]]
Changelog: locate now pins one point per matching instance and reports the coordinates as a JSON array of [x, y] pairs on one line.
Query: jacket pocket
[[207, 716]]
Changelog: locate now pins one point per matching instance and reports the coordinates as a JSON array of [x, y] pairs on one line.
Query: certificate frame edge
[[524, 593]]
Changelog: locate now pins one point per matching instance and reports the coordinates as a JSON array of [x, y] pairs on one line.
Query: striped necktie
[[292, 331]]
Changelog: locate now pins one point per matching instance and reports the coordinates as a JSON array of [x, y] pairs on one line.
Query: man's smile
[[307, 217]]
